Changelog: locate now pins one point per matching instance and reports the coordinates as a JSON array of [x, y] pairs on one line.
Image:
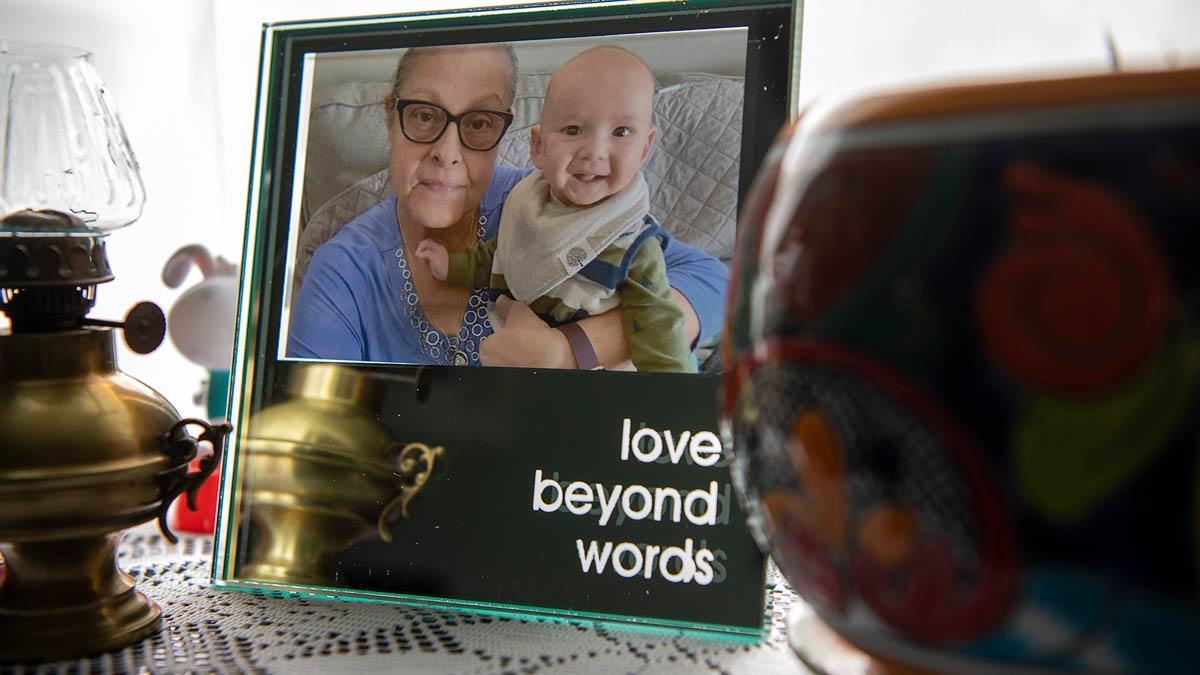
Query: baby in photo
[[575, 238]]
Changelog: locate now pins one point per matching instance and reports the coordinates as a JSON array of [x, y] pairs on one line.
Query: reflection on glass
[[323, 473]]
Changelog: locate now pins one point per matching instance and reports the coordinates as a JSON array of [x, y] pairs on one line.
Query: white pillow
[[347, 140]]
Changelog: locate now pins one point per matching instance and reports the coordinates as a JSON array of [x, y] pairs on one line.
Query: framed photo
[[502, 188]]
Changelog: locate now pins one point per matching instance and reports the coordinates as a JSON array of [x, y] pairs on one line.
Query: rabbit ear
[[180, 263], [222, 267]]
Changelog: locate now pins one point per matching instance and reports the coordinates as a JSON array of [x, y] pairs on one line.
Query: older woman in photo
[[365, 297]]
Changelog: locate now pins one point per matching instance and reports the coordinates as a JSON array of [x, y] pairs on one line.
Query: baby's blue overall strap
[[609, 275], [604, 273]]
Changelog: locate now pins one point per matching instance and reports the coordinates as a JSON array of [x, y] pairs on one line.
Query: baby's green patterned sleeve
[[472, 268], [653, 322]]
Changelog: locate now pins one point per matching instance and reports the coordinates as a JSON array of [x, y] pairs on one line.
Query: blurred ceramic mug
[[963, 372]]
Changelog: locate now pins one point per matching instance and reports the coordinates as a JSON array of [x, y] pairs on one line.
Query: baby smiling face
[[596, 129]]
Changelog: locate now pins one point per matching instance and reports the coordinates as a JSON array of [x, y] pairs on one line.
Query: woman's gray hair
[[411, 55]]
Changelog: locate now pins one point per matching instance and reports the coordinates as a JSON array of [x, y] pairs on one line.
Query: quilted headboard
[[692, 172]]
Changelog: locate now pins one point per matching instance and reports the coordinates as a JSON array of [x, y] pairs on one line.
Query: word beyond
[[637, 502]]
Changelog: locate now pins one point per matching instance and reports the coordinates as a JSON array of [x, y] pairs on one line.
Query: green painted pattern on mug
[[1071, 455], [888, 316]]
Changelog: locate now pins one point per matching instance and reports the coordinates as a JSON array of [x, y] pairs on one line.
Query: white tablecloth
[[210, 630]]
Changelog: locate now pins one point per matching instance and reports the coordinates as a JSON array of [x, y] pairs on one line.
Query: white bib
[[543, 242]]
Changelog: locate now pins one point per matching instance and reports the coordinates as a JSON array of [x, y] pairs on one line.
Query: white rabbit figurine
[[201, 322]]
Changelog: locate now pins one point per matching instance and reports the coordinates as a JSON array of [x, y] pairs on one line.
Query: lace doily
[[215, 630]]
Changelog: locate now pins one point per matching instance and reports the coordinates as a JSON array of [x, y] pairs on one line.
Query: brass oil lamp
[[86, 451], [322, 473]]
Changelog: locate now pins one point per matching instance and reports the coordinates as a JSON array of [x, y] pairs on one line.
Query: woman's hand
[[525, 341], [435, 254]]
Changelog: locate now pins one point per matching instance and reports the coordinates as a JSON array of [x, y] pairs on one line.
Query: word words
[[676, 564]]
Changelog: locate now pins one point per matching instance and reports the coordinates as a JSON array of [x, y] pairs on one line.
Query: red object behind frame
[[204, 519]]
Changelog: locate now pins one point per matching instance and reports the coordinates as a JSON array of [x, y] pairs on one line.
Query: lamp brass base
[[66, 598], [85, 452]]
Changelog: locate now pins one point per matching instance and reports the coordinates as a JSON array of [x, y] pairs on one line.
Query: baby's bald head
[[606, 63]]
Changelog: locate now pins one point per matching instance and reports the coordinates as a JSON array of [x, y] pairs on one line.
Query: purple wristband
[[581, 346]]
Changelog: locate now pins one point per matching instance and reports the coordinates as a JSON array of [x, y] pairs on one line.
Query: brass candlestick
[[321, 474]]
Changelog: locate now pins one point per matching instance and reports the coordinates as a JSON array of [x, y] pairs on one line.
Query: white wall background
[[867, 44], [184, 76]]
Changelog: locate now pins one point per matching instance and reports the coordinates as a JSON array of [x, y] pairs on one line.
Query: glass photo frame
[[370, 459]]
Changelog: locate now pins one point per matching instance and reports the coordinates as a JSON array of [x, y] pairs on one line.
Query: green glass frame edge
[[793, 110], [508, 14], [242, 363], [697, 629]]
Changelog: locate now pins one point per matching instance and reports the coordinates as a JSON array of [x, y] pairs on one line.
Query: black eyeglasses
[[425, 122]]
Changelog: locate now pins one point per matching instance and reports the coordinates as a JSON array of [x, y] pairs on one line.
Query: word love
[[647, 445]]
